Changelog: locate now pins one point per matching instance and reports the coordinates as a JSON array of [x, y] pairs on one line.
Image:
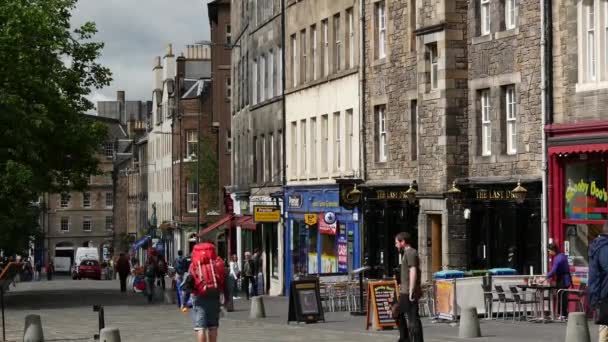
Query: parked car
[[89, 269]]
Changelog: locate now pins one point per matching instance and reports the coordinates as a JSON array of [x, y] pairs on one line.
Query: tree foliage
[[46, 144], [208, 165]]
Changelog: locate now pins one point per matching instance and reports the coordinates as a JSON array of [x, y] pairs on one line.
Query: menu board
[[305, 302], [380, 298], [445, 294]]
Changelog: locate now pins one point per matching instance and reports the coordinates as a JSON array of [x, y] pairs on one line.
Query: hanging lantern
[[411, 194], [519, 193]]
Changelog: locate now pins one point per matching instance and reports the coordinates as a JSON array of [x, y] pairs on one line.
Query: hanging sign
[[327, 227], [380, 297], [310, 219], [266, 213]]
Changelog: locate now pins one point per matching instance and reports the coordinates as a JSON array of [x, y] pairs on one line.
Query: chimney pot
[[120, 96]]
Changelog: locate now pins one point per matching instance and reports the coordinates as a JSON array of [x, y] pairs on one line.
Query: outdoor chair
[[503, 300], [579, 297], [521, 301], [489, 300]]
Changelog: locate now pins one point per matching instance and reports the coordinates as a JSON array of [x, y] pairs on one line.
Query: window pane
[[329, 255], [313, 262], [585, 196]]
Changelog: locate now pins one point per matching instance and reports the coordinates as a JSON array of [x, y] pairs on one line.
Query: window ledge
[[434, 94], [508, 33], [481, 39], [591, 86], [380, 61]]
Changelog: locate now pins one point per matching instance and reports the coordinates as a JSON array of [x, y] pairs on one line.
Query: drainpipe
[[362, 134], [546, 61]]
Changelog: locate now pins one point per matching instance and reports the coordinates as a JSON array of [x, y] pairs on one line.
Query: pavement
[[65, 307]]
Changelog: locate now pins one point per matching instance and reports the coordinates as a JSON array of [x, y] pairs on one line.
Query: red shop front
[[577, 191]]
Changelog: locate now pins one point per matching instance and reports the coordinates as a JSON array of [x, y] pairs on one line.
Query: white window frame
[[86, 199], [294, 149], [109, 199], [510, 14], [485, 17], [590, 38], [108, 150], [294, 61], [381, 8], [280, 71], [350, 139], [313, 47], [270, 71], [304, 55], [337, 43], [109, 223], [337, 141], [486, 123], [64, 200], [325, 24], [304, 149], [64, 224], [324, 143], [191, 143], [382, 133], [271, 163], [511, 118], [434, 62], [263, 76], [87, 221], [254, 82], [313, 146], [351, 38], [263, 159]]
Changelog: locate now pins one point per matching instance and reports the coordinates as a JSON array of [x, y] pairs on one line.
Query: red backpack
[[207, 269]]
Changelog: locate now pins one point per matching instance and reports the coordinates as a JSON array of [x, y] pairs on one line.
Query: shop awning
[[140, 243], [216, 224], [245, 222], [587, 148]]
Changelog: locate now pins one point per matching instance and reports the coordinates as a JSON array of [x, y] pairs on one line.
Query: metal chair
[[519, 301], [502, 299], [580, 294], [489, 300]]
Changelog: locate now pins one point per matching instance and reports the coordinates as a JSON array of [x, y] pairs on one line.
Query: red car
[[89, 269]]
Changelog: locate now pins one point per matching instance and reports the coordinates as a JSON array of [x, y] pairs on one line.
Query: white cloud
[[134, 32]]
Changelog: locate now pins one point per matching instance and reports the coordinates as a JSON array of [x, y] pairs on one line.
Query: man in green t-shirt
[[410, 327]]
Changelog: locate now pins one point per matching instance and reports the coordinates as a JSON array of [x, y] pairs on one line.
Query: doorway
[[436, 242]]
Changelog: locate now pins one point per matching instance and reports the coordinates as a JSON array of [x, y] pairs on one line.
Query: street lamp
[[354, 195], [519, 193], [410, 194], [454, 191]]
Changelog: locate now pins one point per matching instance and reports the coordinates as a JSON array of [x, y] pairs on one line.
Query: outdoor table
[[540, 291]]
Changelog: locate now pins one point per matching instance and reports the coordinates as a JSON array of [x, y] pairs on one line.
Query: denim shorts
[[206, 311]]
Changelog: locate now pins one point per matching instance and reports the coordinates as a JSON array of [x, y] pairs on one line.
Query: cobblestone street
[[67, 315]]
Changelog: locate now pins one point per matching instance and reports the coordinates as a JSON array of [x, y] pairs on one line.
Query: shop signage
[[326, 227], [585, 194], [391, 194], [380, 297], [266, 213], [295, 201], [446, 298], [342, 249], [326, 204], [305, 302], [494, 194], [310, 219]]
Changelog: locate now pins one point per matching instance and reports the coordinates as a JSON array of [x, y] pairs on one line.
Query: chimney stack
[[120, 96], [158, 72]]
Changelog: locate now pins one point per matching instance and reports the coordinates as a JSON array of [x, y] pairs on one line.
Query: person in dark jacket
[[561, 272], [123, 269], [598, 277]]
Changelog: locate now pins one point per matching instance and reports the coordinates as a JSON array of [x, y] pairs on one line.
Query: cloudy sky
[[134, 31]]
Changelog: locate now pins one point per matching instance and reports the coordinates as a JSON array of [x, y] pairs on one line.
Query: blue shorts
[[206, 311]]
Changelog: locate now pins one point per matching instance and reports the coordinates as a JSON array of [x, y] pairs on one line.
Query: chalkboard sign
[[380, 297], [305, 302]]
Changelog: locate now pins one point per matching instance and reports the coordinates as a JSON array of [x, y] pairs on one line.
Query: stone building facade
[[576, 123], [257, 129], [427, 63]]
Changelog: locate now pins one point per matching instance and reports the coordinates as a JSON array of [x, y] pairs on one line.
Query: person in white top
[[235, 273]]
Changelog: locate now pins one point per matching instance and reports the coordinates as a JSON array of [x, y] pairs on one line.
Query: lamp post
[[519, 193], [410, 194]]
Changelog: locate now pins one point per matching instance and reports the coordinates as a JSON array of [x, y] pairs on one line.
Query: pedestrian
[[563, 279], [258, 285], [38, 270], [207, 274], [150, 271], [248, 274], [180, 264], [161, 270], [50, 269], [235, 274], [123, 269], [410, 326], [598, 281]]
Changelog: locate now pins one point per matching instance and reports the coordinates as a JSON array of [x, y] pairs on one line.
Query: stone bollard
[[257, 308], [109, 335], [33, 329], [469, 323], [170, 296], [577, 329]]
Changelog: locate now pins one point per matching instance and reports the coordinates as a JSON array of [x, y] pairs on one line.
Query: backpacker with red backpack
[[207, 270]]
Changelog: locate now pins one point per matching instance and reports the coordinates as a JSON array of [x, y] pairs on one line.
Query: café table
[[539, 290]]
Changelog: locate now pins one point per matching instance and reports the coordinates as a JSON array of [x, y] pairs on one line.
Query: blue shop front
[[322, 238]]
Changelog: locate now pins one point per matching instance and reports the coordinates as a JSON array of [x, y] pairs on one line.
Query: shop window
[[274, 245], [313, 257], [577, 241], [585, 197]]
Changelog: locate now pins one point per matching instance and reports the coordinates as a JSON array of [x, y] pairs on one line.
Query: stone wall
[[497, 60]]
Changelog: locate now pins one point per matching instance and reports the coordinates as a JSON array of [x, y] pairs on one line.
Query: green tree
[[208, 176], [46, 144]]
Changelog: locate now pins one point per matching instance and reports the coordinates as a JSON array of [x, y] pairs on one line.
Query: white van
[[83, 253]]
